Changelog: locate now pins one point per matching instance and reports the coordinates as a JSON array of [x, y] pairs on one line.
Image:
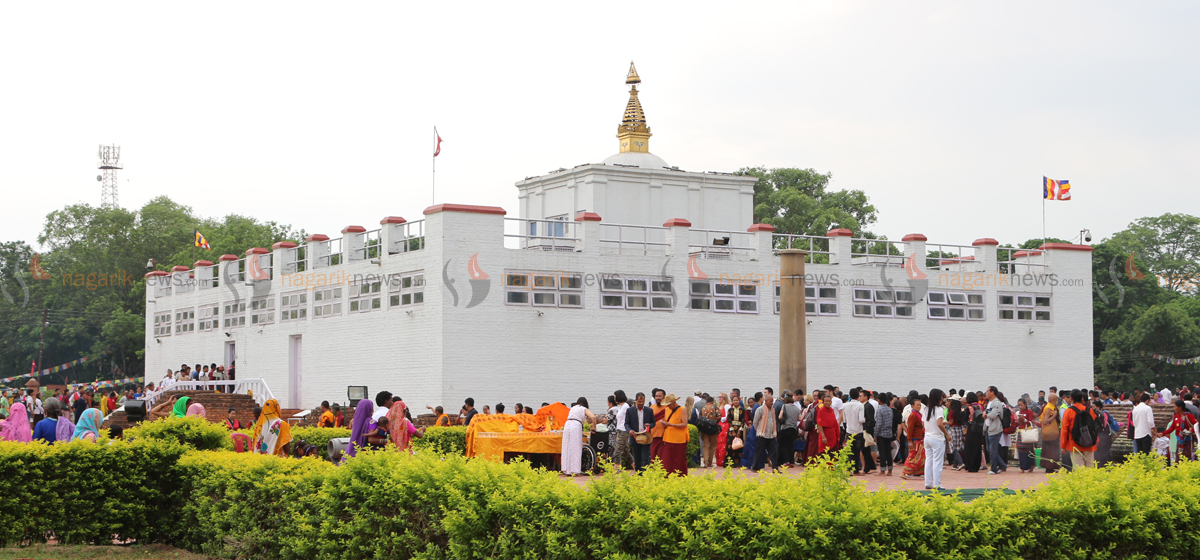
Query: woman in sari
[[103, 404], [16, 426], [181, 407], [65, 429], [723, 435], [914, 465], [359, 426], [197, 410], [828, 432], [735, 420], [402, 429], [273, 435], [88, 428]]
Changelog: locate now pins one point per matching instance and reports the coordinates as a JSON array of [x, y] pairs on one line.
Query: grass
[[131, 552]]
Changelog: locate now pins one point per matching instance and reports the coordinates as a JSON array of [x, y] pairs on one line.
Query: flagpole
[[433, 186]]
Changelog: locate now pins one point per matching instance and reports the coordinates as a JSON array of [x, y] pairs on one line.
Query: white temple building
[[627, 273]]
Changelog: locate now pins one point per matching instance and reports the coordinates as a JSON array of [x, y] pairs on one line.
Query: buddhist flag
[[1055, 190], [1064, 190], [438, 149], [201, 241]]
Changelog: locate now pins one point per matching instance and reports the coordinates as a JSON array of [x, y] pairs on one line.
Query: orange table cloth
[[490, 436]]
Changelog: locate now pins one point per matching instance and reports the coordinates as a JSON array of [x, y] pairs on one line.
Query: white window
[[407, 289], [365, 296], [162, 324], [185, 321], [883, 303], [327, 302], [1022, 307], [645, 293], [724, 296], [235, 315], [293, 307], [544, 289], [262, 310], [957, 306], [210, 318]]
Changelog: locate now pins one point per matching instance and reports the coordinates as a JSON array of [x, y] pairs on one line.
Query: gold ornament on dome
[[633, 133]]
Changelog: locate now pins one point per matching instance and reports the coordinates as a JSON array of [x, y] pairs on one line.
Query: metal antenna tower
[[110, 162]]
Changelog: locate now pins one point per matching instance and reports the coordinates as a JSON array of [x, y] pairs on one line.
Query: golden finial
[[633, 133]]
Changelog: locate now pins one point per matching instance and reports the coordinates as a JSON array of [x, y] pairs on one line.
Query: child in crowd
[[1162, 446], [339, 419], [232, 423], [379, 437]]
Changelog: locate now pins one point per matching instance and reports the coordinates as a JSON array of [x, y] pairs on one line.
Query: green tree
[[798, 201], [1169, 329], [1170, 246]]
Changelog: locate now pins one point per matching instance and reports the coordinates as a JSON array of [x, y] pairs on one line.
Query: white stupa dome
[[640, 159]]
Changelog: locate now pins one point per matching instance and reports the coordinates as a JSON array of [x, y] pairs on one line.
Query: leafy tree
[[798, 201], [1170, 246], [1169, 329]]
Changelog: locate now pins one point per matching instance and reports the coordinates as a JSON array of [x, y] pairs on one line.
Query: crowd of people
[[211, 372], [918, 433]]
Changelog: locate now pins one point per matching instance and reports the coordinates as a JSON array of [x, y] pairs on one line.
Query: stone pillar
[[391, 235], [764, 242], [793, 353], [354, 243], [678, 230], [588, 231], [839, 246], [317, 251]]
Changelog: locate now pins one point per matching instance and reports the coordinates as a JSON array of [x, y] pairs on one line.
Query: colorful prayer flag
[[1055, 190], [1064, 190], [201, 241]]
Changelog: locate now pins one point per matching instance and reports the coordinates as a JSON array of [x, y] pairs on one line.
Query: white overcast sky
[[319, 115]]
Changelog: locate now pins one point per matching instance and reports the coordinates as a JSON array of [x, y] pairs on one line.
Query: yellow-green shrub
[[319, 437], [81, 492], [191, 431], [450, 440]]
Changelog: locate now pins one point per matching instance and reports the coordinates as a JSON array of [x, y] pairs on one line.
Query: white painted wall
[[442, 353]]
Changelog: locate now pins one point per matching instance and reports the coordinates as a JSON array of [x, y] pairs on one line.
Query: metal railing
[[876, 252], [719, 244], [371, 245], [545, 235], [634, 240], [816, 245], [257, 387], [334, 257], [412, 238], [1008, 263], [294, 260], [954, 257]]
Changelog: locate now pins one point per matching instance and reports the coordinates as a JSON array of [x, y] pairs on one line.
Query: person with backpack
[[1080, 432]]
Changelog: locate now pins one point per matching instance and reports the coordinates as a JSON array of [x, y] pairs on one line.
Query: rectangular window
[[726, 296], [327, 302], [817, 300], [883, 303], [162, 324], [262, 310], [210, 318], [406, 289], [1019, 307], [956, 306], [365, 296], [234, 315], [543, 289], [636, 293], [293, 307]]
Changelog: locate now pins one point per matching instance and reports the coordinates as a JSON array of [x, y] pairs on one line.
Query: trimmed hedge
[[192, 431], [449, 440], [383, 504], [319, 437]]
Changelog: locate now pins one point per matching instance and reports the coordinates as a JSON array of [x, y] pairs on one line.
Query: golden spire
[[633, 133]]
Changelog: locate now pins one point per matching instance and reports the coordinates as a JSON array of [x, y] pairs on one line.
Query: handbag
[[642, 438], [1029, 435], [737, 444], [707, 426], [868, 439]]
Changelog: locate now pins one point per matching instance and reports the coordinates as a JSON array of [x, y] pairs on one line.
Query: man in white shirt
[[383, 403], [855, 416], [1143, 426]]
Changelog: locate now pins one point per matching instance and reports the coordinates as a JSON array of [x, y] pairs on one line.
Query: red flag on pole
[[437, 150]]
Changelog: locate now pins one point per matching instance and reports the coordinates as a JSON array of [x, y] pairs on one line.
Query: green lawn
[[132, 552]]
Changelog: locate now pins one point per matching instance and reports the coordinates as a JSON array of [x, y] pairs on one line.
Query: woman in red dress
[[723, 436], [1183, 425], [914, 465]]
